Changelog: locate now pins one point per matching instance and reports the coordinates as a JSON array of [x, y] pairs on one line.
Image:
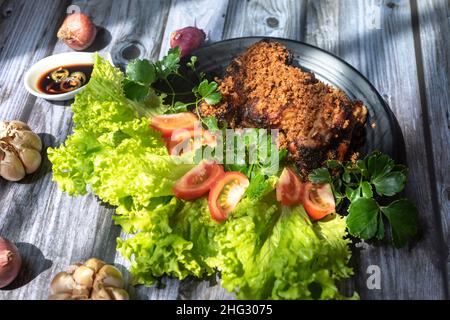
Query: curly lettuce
[[263, 251]]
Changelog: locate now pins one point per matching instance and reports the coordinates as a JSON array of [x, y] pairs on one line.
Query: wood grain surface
[[398, 45]]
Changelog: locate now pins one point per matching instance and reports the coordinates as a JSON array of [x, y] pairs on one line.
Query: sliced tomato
[[187, 140], [318, 200], [226, 193], [198, 181], [289, 188], [167, 123]]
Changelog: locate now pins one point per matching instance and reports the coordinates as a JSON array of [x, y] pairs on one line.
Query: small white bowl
[[33, 75]]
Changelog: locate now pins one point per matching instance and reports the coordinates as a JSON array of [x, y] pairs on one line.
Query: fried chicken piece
[[262, 90]]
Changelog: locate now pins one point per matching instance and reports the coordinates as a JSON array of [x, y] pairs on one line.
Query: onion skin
[[77, 31], [188, 39], [10, 262]]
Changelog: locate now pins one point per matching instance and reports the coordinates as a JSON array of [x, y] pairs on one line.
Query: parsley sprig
[[367, 187]]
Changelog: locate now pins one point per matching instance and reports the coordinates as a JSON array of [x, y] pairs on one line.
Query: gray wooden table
[[402, 47]]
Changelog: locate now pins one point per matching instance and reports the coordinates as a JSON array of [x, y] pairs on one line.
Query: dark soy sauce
[[49, 86]]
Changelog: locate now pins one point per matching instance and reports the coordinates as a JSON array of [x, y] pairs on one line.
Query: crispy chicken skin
[[261, 89]]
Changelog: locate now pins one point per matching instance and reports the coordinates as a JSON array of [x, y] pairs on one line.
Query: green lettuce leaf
[[268, 251]]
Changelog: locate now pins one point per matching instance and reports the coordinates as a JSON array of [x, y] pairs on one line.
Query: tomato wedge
[[167, 123], [289, 188], [198, 181], [318, 200], [226, 193], [185, 140]]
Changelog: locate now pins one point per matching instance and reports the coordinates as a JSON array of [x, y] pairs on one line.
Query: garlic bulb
[[93, 280], [20, 150]]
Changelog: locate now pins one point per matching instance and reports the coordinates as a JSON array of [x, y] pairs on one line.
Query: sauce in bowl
[[65, 78]]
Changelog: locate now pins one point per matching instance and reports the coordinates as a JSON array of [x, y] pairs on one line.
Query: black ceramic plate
[[386, 136]]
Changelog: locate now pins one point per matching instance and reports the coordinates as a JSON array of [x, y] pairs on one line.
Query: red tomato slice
[[187, 140], [226, 193], [167, 123], [289, 188], [198, 181], [318, 200]]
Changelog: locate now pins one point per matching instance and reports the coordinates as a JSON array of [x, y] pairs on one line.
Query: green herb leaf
[[211, 123], [141, 71], [213, 98], [191, 63], [180, 107], [169, 64], [402, 215], [379, 164], [380, 232], [390, 183], [208, 92], [320, 175], [333, 164], [362, 220], [135, 91], [366, 189]]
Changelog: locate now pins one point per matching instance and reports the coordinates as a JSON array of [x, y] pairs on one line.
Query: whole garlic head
[[20, 150], [93, 280]]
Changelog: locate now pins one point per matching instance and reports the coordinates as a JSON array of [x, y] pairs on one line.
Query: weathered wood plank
[[434, 19], [377, 39], [26, 37], [265, 18], [81, 227]]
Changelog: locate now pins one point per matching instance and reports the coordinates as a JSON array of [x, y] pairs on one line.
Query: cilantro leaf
[[213, 98], [208, 92], [180, 107], [141, 71], [211, 123], [362, 220], [402, 215], [191, 63], [168, 64]]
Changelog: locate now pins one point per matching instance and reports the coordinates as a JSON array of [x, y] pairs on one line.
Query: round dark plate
[[386, 136]]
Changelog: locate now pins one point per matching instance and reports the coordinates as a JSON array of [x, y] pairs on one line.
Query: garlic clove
[[110, 276], [84, 276], [25, 139], [118, 294], [31, 159], [61, 296], [71, 269], [62, 283], [11, 167], [95, 264], [18, 125], [80, 292], [100, 293]]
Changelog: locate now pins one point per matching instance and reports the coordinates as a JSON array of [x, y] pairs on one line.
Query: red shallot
[[10, 262], [188, 39], [77, 31]]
